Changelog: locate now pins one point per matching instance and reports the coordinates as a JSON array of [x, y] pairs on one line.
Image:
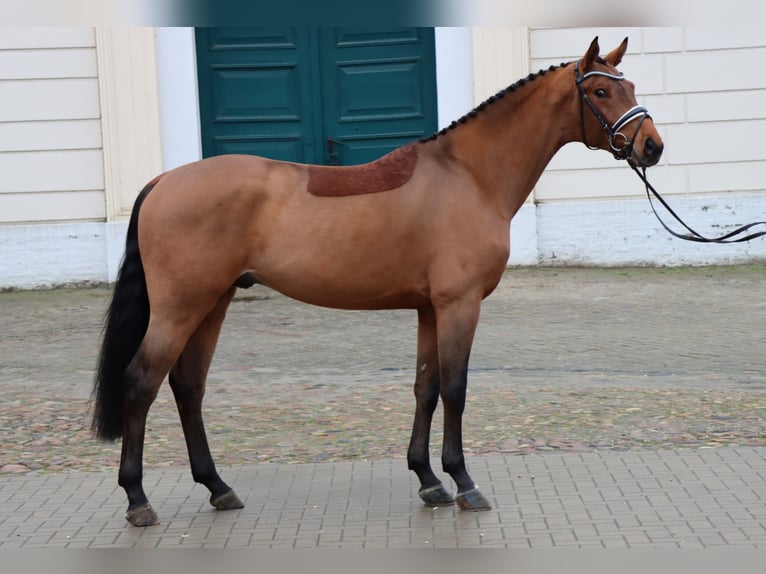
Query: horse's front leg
[[456, 325], [432, 491]]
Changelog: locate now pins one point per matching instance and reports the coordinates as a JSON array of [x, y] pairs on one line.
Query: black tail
[[124, 329]]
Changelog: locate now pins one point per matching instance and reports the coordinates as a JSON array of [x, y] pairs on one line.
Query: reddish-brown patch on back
[[389, 172]]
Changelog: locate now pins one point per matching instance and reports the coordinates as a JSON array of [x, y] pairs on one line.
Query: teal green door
[[315, 95]]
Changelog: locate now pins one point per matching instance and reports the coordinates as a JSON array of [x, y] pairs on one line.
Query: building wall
[[50, 130], [706, 90], [79, 137], [87, 116]]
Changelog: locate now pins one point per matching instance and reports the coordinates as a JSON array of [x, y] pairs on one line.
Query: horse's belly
[[348, 289]]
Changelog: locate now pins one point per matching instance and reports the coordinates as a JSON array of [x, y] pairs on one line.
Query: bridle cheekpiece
[[625, 150]]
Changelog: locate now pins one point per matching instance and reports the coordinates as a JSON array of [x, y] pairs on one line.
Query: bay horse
[[425, 227]]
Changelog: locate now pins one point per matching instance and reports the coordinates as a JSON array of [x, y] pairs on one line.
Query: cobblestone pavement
[[638, 395]]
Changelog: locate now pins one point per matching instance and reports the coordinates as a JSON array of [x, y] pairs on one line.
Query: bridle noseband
[[624, 151]]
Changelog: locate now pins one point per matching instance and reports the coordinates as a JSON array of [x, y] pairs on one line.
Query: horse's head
[[610, 118]]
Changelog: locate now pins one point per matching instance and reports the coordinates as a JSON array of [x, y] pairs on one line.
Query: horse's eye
[[601, 93]]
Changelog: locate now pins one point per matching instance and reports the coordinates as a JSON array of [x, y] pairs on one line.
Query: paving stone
[[563, 520]]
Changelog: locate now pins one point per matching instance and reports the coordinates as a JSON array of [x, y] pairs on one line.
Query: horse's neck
[[508, 145]]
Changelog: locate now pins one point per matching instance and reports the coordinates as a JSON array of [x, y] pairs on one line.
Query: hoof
[[436, 496], [142, 516], [227, 501], [472, 500]]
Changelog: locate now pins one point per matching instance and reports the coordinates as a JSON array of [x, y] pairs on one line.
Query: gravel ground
[[327, 422], [565, 360]]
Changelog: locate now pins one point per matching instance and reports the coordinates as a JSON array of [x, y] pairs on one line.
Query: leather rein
[[625, 151]]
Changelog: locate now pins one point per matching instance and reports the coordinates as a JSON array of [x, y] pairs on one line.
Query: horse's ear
[[615, 56], [590, 56]]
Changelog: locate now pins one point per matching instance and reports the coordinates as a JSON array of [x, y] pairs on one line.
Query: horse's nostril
[[651, 149]]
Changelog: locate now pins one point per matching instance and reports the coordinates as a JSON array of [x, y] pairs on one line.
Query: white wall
[[50, 134], [179, 97], [454, 73], [79, 137]]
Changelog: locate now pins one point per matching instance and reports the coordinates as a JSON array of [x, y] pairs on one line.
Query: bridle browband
[[625, 150]]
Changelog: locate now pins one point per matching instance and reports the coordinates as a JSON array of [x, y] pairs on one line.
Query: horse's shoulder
[[386, 173]]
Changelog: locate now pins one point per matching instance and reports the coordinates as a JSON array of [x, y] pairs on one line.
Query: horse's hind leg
[[143, 377], [432, 492], [187, 379]]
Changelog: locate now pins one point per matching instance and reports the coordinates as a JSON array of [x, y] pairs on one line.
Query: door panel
[[258, 111], [379, 88], [254, 95]]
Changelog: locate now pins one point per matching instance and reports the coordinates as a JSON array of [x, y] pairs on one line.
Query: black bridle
[[625, 151]]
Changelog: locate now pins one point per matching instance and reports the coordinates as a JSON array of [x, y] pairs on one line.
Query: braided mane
[[498, 96]]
